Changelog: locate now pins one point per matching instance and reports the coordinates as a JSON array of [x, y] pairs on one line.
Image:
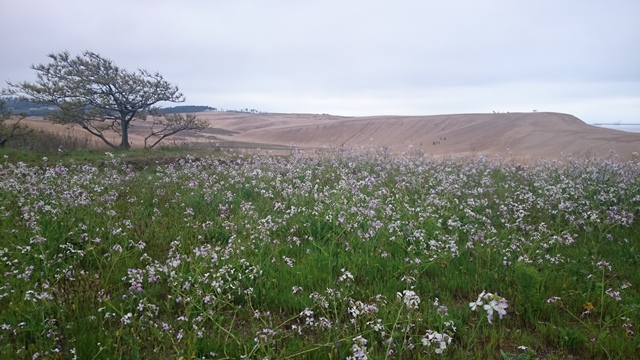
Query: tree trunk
[[124, 144]]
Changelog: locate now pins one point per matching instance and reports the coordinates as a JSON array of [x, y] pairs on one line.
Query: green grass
[[180, 253]]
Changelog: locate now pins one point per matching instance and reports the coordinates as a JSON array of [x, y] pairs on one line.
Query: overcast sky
[[348, 57]]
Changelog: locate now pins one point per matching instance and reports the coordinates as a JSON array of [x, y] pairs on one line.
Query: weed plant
[[42, 141], [344, 254]]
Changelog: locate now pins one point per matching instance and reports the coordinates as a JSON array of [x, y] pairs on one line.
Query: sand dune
[[541, 135], [522, 135]]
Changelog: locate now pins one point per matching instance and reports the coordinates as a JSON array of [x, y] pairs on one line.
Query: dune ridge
[[543, 135], [538, 135]]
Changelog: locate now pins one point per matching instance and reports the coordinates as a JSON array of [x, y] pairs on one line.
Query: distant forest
[[187, 109], [18, 106]]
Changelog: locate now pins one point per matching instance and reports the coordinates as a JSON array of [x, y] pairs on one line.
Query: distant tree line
[[245, 110], [187, 109], [28, 108], [201, 108], [17, 106]]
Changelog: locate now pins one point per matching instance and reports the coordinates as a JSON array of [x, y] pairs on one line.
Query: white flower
[[345, 275], [474, 305], [440, 341], [502, 305], [410, 298], [495, 303], [489, 309], [498, 306], [553, 299]]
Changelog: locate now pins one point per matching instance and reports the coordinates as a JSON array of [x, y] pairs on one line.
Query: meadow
[[341, 255]]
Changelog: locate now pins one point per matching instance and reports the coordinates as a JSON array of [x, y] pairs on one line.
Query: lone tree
[[11, 128], [91, 91]]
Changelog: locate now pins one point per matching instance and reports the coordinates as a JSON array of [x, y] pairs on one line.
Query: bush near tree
[[11, 128]]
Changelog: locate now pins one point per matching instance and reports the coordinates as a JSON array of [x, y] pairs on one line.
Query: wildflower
[[450, 324], [474, 305], [495, 303], [290, 262], [359, 340], [325, 323], [497, 306], [126, 319], [440, 341], [627, 326], [603, 264], [614, 294], [441, 309], [408, 279], [345, 275], [359, 349], [410, 299], [308, 314]]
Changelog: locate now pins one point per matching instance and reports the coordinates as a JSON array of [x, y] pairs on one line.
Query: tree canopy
[[92, 92]]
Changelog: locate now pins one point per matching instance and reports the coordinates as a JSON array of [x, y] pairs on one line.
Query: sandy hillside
[[521, 135]]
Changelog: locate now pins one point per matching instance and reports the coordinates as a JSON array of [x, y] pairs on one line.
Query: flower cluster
[[438, 340], [410, 299], [490, 303], [359, 349]]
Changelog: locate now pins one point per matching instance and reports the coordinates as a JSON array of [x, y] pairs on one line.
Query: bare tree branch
[[165, 125]]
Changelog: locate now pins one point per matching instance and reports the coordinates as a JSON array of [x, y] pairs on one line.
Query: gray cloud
[[355, 57]]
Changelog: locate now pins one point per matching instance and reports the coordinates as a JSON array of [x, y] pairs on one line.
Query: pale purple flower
[[438, 340], [495, 303], [410, 299]]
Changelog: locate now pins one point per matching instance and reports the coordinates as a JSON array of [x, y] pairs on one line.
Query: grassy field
[[357, 255]]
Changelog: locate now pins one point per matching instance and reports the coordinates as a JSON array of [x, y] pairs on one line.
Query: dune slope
[[522, 135]]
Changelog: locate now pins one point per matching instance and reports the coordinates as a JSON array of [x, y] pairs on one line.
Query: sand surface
[[540, 135]]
